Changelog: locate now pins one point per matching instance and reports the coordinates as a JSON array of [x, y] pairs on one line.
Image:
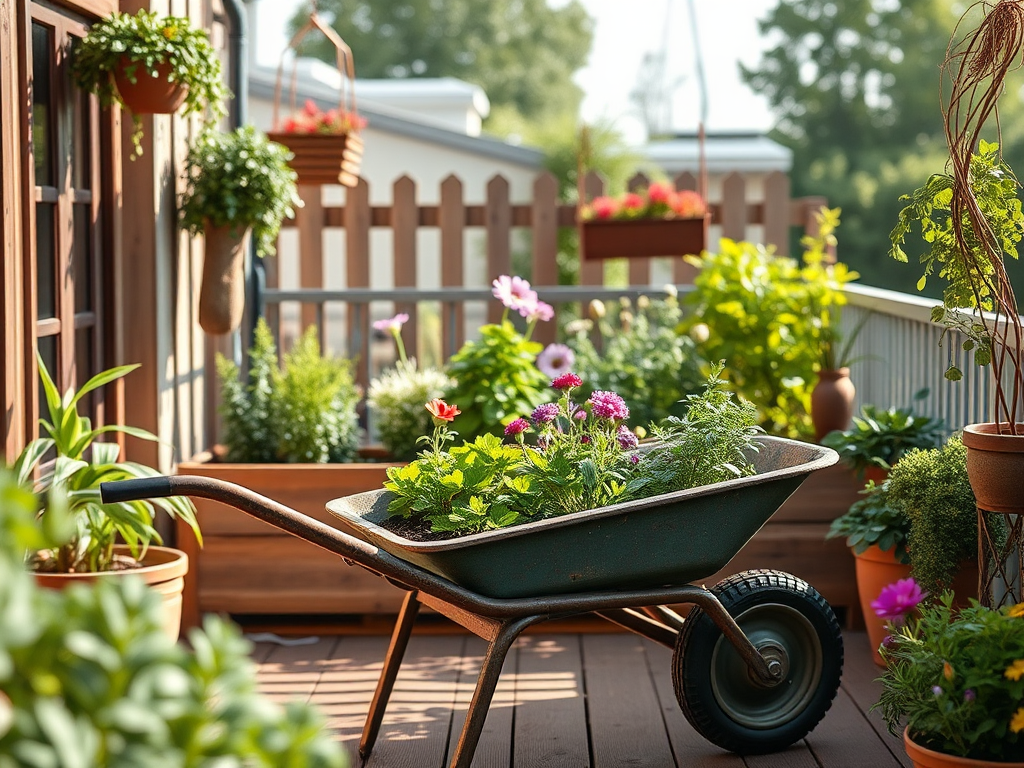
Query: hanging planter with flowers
[[326, 145]]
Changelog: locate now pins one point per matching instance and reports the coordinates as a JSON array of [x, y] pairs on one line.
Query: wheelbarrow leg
[[393, 660], [485, 685]]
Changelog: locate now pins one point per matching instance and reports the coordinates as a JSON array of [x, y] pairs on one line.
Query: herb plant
[[878, 438], [767, 314], [710, 444], [81, 463], [873, 521], [644, 357], [141, 43], [89, 677], [957, 679], [304, 411], [239, 180]]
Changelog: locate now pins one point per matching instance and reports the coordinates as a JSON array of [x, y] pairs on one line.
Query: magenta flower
[[634, 459], [580, 415], [544, 414], [392, 324], [555, 360], [897, 600], [627, 438], [516, 427], [608, 405], [585, 439], [515, 293], [567, 381]]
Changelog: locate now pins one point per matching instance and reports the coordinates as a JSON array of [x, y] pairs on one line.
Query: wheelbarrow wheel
[[782, 616]]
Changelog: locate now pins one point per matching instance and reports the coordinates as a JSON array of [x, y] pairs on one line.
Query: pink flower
[[544, 414], [555, 360], [898, 599], [580, 415], [627, 438], [634, 459], [567, 381], [660, 193], [441, 411], [515, 293], [392, 324], [632, 202], [604, 207], [608, 405], [516, 427], [311, 108], [541, 311]]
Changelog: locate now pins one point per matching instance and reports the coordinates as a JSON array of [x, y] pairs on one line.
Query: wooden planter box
[[323, 159], [248, 567], [613, 239]]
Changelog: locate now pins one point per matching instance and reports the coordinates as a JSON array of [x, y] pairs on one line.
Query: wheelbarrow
[[756, 663]]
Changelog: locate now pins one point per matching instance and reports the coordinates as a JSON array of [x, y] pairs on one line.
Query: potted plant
[[325, 145], [657, 221], [90, 677], [80, 463], [396, 397], [496, 375], [956, 679], [238, 185], [150, 64], [291, 433], [877, 534], [972, 220]]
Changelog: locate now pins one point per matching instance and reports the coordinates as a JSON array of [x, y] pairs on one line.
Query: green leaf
[[30, 457]]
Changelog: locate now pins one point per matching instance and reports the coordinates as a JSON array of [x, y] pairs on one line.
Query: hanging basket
[[320, 158], [641, 238]]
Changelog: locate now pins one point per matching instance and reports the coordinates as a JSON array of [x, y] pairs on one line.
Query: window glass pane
[[42, 130], [47, 346], [82, 258], [84, 369], [46, 259], [81, 135]]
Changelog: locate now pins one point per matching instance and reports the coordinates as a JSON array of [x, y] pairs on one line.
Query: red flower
[[660, 193], [633, 202], [441, 411], [311, 108], [604, 207], [567, 381]]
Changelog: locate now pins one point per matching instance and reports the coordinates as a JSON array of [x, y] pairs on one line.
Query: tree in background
[[855, 89], [523, 53]]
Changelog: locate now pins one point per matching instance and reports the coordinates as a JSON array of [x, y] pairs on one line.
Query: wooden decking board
[[626, 726], [580, 701], [551, 715]]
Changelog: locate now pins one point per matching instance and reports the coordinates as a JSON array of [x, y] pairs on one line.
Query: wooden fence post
[[405, 219], [499, 225], [452, 220]]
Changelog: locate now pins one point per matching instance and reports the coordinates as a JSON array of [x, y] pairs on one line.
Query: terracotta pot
[[163, 569], [323, 159], [149, 95], [222, 295], [832, 402], [876, 568], [927, 758], [995, 465], [877, 474]]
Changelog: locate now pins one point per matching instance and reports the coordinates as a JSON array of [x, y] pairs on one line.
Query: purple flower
[[899, 599], [970, 695], [515, 293], [392, 324], [627, 438], [888, 641], [517, 427], [634, 459], [608, 405], [936, 690], [555, 360], [543, 414], [567, 381]]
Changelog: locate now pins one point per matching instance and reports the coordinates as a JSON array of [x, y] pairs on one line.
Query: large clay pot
[[222, 295], [149, 95], [163, 569], [927, 758], [876, 568], [832, 402], [995, 465]]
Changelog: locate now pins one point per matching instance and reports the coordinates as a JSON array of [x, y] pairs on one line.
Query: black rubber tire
[[717, 693]]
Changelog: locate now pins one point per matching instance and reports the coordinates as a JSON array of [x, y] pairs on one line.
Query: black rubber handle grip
[[134, 490]]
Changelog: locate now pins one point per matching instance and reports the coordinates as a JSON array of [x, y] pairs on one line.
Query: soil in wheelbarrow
[[418, 530]]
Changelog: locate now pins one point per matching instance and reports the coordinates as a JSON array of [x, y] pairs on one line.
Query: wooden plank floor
[[564, 700]]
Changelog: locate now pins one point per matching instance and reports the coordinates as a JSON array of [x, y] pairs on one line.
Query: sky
[[625, 30]]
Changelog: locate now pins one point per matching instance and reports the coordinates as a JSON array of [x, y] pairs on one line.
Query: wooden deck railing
[[345, 309]]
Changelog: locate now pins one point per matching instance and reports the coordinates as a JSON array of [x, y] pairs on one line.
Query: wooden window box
[[636, 238]]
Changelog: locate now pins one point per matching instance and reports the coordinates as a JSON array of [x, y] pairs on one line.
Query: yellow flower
[[170, 32], [1017, 612], [1015, 671], [1017, 721]]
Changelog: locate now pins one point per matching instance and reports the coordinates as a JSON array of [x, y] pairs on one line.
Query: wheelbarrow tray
[[667, 540]]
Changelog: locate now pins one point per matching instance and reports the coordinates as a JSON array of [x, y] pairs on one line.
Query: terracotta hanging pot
[[222, 296], [876, 568], [832, 402], [927, 758], [995, 466], [149, 95]]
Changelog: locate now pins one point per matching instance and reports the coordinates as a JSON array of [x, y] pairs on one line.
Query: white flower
[[555, 360]]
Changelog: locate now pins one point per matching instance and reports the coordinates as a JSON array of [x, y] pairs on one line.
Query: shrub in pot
[[81, 462], [88, 677], [239, 186], [150, 64]]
